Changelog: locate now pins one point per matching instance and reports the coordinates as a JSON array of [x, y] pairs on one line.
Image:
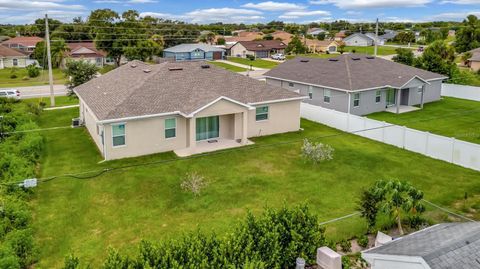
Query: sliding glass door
[[391, 97], [207, 128]]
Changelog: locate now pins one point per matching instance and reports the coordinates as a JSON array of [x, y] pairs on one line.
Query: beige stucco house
[[186, 107], [12, 58]]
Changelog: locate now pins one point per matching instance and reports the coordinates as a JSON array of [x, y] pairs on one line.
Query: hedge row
[[19, 153]]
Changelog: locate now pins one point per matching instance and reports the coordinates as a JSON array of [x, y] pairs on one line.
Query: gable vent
[[133, 65], [205, 66], [333, 60], [175, 68], [304, 60], [355, 58], [147, 70]]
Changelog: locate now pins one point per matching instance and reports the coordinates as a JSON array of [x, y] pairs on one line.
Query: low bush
[[316, 152], [362, 240], [346, 245], [272, 240], [194, 183], [33, 71]]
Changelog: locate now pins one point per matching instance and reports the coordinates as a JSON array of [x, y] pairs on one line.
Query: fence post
[[453, 149], [383, 131], [404, 136], [427, 135]]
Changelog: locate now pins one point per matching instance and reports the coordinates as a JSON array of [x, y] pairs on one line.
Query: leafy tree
[[321, 36], [58, 49], [40, 26], [33, 71], [296, 46], [107, 35], [77, 31], [405, 37], [438, 57], [468, 37], [268, 37], [341, 48], [144, 49], [368, 207], [465, 56], [398, 199], [404, 56], [79, 73], [221, 41]]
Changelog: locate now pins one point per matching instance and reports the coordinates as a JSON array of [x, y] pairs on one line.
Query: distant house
[[283, 36], [26, 44], [389, 35], [474, 61], [243, 36], [358, 39], [316, 31], [259, 49], [12, 58], [357, 84], [442, 246], [86, 51], [379, 40], [192, 52], [339, 36], [314, 45], [187, 107]]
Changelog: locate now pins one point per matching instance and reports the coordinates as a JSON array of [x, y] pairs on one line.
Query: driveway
[[40, 91], [240, 65]]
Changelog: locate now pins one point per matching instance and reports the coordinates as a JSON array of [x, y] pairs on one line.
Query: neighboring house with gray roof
[[359, 40], [356, 83], [442, 246], [187, 107], [194, 52], [474, 61]]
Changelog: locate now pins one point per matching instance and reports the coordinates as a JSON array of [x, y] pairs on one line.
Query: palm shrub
[[33, 71], [272, 240]]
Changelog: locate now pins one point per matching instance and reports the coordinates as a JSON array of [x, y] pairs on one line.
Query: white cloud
[[142, 1], [108, 2], [36, 5], [303, 13], [454, 15], [461, 2], [236, 15], [354, 4], [30, 17], [274, 6]]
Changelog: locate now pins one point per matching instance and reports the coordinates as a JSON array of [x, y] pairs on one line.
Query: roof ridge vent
[[147, 70], [205, 66], [332, 60], [304, 60], [356, 58], [175, 69], [133, 65], [370, 57]]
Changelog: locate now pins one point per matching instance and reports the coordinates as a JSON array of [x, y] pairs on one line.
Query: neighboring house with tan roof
[[474, 61], [259, 49], [188, 107], [86, 51], [12, 58], [339, 36], [314, 45], [26, 44], [357, 84]]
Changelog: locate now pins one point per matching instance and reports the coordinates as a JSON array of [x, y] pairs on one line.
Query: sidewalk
[[240, 65]]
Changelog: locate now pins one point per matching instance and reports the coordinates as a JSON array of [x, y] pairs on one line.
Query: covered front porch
[[408, 98]]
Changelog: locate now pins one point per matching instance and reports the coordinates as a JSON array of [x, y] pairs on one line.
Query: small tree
[[296, 46], [221, 41], [316, 152], [466, 56], [33, 71], [341, 48], [404, 56], [79, 72], [368, 207], [193, 183], [398, 199]]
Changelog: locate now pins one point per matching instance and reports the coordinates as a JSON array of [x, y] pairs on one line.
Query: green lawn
[[120, 207], [314, 55], [42, 79], [382, 50], [255, 63], [230, 67], [59, 100], [450, 117]]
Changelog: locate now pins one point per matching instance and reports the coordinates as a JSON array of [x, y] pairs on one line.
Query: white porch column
[[244, 127], [1, 64], [192, 140], [422, 100], [399, 92]]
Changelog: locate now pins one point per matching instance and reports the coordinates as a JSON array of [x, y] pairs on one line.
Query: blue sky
[[207, 11]]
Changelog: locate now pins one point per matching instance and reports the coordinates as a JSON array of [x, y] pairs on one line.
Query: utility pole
[[49, 58], [376, 39]]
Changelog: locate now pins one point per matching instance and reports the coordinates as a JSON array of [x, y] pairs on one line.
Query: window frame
[[263, 113], [14, 62], [165, 128], [356, 99], [419, 89], [329, 96], [378, 97], [310, 92], [124, 134], [291, 84]]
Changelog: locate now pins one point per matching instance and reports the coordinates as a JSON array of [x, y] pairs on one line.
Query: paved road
[[40, 91]]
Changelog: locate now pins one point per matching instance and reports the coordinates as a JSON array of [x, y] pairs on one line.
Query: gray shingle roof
[[130, 91], [447, 245], [192, 47], [364, 36], [346, 73]]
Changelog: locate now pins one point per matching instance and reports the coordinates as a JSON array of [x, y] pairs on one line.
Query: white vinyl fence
[[439, 147], [461, 91]]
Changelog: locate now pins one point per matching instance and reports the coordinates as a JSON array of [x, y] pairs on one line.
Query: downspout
[[104, 143]]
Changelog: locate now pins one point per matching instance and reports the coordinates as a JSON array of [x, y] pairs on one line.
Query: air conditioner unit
[[76, 122]]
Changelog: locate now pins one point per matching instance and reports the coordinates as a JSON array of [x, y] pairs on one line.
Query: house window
[[310, 92], [356, 99], [290, 84], [170, 128], [15, 62], [261, 113], [378, 96], [326, 96], [118, 134], [420, 89]]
